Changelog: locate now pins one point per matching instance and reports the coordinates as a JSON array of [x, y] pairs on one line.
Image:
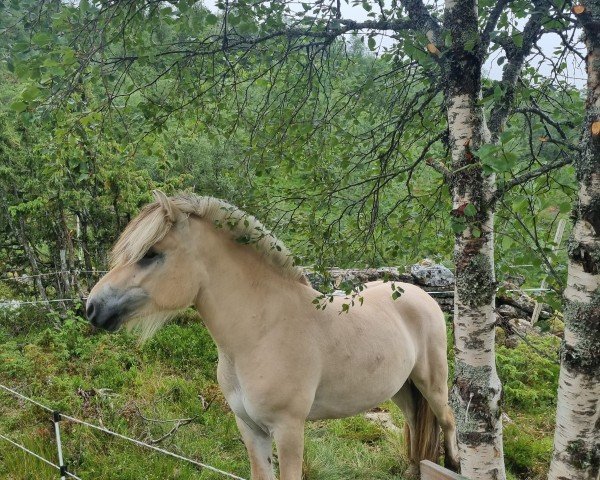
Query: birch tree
[[477, 390], [577, 436], [250, 42]]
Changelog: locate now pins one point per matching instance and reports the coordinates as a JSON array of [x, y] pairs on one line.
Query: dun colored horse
[[281, 360]]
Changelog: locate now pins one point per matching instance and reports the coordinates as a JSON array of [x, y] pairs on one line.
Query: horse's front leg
[[289, 439], [260, 451]]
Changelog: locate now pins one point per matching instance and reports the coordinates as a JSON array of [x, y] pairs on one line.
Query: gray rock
[[429, 274], [521, 326], [508, 311]]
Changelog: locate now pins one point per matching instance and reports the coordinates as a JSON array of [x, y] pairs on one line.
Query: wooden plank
[[433, 471]]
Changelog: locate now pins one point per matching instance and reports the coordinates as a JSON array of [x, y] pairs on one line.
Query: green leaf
[[211, 19], [518, 40], [18, 106], [371, 43], [30, 93], [41, 39], [470, 210], [565, 207], [458, 225], [497, 92]]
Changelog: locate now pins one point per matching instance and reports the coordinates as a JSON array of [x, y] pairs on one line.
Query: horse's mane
[[151, 225]]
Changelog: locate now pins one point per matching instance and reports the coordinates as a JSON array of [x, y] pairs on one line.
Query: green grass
[[111, 380]]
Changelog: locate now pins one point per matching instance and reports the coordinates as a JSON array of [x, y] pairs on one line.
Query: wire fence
[[39, 457], [24, 278], [57, 417]]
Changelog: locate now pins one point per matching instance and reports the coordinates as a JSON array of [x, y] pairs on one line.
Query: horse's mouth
[[112, 324], [112, 311]]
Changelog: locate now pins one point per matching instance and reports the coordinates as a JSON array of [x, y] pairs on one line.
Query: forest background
[[346, 170]]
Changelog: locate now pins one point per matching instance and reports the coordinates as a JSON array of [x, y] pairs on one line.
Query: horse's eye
[[149, 256]]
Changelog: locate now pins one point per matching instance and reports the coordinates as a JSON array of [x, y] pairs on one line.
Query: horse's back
[[417, 309]]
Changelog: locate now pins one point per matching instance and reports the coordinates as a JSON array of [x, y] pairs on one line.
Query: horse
[[281, 360]]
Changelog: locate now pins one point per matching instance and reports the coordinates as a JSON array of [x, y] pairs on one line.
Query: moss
[[591, 212], [584, 458], [475, 281], [583, 320], [471, 393], [530, 380]]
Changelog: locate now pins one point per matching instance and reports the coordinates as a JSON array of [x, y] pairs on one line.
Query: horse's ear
[[171, 211]]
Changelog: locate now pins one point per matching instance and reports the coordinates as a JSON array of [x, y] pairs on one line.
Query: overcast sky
[[574, 74], [549, 43]]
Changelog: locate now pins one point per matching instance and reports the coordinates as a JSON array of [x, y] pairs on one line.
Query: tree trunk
[[477, 391], [35, 272], [577, 436]]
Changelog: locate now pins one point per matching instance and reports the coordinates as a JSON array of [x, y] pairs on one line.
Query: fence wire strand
[[24, 278], [110, 432], [39, 457], [152, 447]]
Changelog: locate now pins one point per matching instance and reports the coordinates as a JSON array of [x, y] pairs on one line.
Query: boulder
[[430, 274]]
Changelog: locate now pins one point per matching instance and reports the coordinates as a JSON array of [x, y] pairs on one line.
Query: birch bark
[[477, 391], [577, 435]]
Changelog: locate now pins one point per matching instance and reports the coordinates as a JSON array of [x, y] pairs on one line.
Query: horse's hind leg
[[260, 451], [405, 400], [431, 380]]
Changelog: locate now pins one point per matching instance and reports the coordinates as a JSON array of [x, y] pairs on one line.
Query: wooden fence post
[[433, 471]]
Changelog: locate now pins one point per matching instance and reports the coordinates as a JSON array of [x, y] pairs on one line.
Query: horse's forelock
[[150, 226]]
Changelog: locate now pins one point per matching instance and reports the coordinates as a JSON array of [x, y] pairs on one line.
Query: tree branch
[[422, 18], [514, 66], [544, 116], [439, 167], [504, 188], [490, 26]]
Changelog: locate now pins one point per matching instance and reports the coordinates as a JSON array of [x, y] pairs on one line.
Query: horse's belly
[[355, 391]]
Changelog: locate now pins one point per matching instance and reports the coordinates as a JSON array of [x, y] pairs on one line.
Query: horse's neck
[[239, 292]]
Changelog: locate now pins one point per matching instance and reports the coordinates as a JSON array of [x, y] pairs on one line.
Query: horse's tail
[[427, 431]]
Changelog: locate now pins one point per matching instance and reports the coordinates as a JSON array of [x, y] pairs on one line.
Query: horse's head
[[152, 274]]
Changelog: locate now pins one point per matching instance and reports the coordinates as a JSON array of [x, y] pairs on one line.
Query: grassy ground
[[109, 380]]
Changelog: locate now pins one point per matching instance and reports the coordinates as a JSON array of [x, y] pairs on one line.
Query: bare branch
[[544, 116]]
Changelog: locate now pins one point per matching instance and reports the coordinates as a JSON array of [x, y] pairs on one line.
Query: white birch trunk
[[477, 391], [577, 436]]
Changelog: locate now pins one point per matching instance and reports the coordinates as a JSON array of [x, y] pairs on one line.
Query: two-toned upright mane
[[151, 225]]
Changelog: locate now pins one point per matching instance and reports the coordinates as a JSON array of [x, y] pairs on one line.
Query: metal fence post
[[61, 464]]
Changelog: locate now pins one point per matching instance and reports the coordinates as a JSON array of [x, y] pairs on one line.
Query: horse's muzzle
[[111, 307]]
